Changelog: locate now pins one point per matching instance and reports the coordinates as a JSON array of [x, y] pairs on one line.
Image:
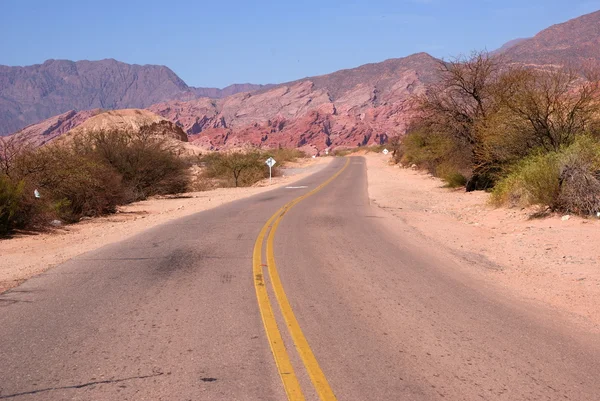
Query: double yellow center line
[[280, 354]]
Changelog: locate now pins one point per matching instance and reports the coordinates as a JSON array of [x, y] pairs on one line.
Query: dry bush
[[579, 178], [495, 115], [235, 169], [88, 176], [18, 206], [72, 185], [436, 153], [148, 164], [243, 169], [457, 108], [549, 108], [283, 155]]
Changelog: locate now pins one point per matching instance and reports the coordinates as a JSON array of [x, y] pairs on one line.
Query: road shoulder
[[551, 261]]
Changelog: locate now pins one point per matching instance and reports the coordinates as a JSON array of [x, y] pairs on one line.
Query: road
[[352, 305]]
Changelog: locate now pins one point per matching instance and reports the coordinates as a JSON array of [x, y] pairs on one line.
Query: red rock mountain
[[33, 93], [359, 106], [364, 105], [575, 42]]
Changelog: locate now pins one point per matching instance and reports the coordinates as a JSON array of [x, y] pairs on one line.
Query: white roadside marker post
[[270, 162]]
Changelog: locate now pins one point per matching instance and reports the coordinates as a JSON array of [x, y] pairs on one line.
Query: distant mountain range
[[33, 93], [358, 106]]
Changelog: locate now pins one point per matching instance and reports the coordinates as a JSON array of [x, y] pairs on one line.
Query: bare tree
[[551, 107], [11, 148], [464, 96], [459, 106]]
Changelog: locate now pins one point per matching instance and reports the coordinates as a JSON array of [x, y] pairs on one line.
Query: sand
[[25, 256], [547, 260]]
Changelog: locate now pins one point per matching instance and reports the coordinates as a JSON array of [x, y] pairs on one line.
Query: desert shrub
[[12, 206], [341, 152], [376, 148], [579, 177], [425, 150], [483, 115], [283, 155], [235, 168], [567, 180], [89, 175], [243, 169], [533, 181], [452, 177], [439, 154], [148, 164], [71, 185]]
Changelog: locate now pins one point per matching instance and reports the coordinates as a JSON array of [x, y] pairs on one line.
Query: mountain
[[217, 93], [46, 131], [132, 120], [33, 93], [508, 45], [575, 42], [73, 123], [358, 106]]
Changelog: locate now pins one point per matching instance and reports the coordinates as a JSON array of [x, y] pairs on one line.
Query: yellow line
[[315, 373], [282, 359]]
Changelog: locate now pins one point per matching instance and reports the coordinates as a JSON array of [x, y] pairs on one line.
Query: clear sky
[[219, 42]]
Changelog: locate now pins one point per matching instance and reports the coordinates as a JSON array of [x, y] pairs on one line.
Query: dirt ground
[[25, 256], [548, 260]]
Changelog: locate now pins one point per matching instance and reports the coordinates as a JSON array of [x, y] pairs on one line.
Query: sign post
[[270, 162], [385, 152]]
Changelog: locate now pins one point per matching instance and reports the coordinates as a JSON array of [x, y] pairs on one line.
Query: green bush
[[11, 204], [567, 180], [533, 181], [424, 149], [452, 177]]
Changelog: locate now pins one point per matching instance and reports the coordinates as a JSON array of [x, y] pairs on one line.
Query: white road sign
[[270, 162], [385, 151]]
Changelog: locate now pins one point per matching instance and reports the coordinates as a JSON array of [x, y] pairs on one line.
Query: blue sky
[[218, 42]]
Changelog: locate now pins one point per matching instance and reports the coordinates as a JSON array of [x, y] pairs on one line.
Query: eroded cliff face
[[356, 107]]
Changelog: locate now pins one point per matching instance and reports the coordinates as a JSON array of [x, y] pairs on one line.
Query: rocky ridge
[[34, 93]]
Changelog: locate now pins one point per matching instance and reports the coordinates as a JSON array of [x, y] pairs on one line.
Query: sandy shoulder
[[25, 256], [545, 260]]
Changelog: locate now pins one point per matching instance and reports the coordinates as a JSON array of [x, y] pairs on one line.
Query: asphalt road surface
[[328, 298]]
